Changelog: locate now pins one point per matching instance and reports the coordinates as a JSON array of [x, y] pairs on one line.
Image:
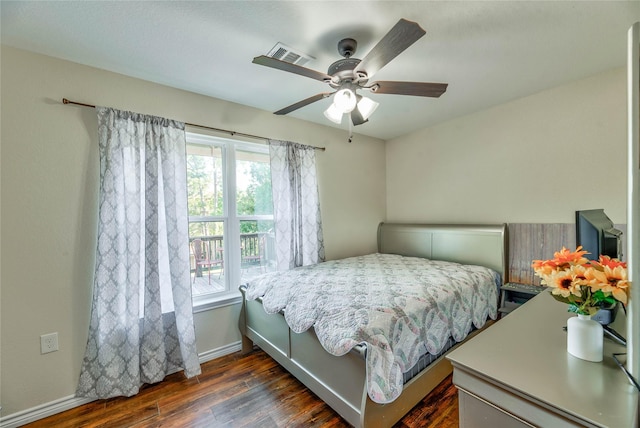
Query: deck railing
[[254, 248]]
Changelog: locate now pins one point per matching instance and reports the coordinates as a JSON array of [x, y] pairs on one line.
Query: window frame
[[229, 218]]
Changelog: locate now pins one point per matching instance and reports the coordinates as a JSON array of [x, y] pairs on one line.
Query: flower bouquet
[[586, 285]]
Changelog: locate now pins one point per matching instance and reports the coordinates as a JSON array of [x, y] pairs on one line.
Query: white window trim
[[230, 219]]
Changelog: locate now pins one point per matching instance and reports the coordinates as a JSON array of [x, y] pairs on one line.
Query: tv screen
[[597, 234]]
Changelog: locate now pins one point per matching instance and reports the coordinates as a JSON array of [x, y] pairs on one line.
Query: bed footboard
[[338, 381]]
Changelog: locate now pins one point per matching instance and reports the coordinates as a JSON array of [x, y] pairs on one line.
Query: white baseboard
[[219, 352], [33, 414], [42, 411]]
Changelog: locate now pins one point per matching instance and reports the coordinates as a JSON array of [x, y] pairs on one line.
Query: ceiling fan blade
[[291, 68], [409, 88], [303, 103], [400, 37], [357, 118]]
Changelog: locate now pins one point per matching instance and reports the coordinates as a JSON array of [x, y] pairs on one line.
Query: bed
[[341, 381]]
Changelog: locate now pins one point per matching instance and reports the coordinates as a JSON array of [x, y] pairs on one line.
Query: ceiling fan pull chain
[[350, 130]]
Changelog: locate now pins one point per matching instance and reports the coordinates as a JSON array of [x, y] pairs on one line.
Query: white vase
[[585, 338]]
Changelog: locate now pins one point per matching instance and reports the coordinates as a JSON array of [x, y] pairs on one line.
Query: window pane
[[204, 180], [257, 248], [207, 257], [217, 268], [253, 183]]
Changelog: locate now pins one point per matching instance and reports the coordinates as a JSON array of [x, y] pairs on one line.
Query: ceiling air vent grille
[[285, 53]]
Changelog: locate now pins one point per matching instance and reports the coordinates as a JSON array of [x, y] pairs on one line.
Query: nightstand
[[512, 295]]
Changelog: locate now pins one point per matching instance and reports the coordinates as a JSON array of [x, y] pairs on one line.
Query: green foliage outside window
[[206, 193]]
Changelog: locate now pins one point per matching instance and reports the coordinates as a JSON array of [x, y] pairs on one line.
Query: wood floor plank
[[238, 391], [440, 408]]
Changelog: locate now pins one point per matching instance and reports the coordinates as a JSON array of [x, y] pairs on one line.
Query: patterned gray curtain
[[141, 325], [296, 205]]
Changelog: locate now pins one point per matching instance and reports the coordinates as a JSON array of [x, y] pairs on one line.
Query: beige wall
[[49, 179], [534, 160]]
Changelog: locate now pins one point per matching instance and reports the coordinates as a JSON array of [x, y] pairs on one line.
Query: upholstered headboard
[[484, 245]]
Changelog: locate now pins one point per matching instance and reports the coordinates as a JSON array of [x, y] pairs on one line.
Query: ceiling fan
[[349, 74]]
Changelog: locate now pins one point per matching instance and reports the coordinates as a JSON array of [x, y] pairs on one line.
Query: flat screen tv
[[597, 235]]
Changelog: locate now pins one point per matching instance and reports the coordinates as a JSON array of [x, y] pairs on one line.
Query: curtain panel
[[296, 205], [141, 326]]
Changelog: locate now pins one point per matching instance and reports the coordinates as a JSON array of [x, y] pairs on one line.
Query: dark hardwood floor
[[238, 391]]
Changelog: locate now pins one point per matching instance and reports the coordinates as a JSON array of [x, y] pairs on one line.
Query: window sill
[[213, 301]]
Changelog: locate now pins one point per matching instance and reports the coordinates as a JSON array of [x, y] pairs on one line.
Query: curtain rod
[[232, 133]]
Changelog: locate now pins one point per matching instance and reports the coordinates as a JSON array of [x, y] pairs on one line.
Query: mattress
[[426, 359]]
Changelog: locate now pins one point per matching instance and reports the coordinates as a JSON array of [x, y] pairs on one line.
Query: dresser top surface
[[526, 353]]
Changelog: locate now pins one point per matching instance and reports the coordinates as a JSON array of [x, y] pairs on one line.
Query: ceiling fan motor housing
[[342, 70]]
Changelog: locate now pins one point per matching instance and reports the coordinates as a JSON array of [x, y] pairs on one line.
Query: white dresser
[[518, 373]]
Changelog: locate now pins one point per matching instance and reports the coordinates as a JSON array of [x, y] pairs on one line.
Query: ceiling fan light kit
[[348, 75], [366, 107], [344, 101], [334, 114]]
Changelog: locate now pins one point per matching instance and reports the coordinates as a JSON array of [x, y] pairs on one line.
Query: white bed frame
[[341, 381]]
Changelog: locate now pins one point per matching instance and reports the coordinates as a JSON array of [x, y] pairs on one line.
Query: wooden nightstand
[[512, 295]]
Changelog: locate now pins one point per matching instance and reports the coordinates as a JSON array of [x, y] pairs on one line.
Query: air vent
[[285, 53]]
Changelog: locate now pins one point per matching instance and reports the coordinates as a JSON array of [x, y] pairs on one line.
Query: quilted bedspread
[[400, 307]]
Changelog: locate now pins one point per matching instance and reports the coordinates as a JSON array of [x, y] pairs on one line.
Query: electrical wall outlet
[[48, 343]]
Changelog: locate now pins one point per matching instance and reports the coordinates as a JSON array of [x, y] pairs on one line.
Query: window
[[231, 232]]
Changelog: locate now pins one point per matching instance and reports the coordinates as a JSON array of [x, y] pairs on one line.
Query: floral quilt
[[400, 307]]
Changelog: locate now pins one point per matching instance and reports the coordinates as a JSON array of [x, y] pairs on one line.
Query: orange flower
[[566, 257], [563, 259], [610, 280], [544, 267], [565, 282], [612, 263]]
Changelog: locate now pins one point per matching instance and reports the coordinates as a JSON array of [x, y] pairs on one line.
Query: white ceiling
[[489, 52]]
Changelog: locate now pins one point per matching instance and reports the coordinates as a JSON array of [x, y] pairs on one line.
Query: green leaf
[[602, 299]]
